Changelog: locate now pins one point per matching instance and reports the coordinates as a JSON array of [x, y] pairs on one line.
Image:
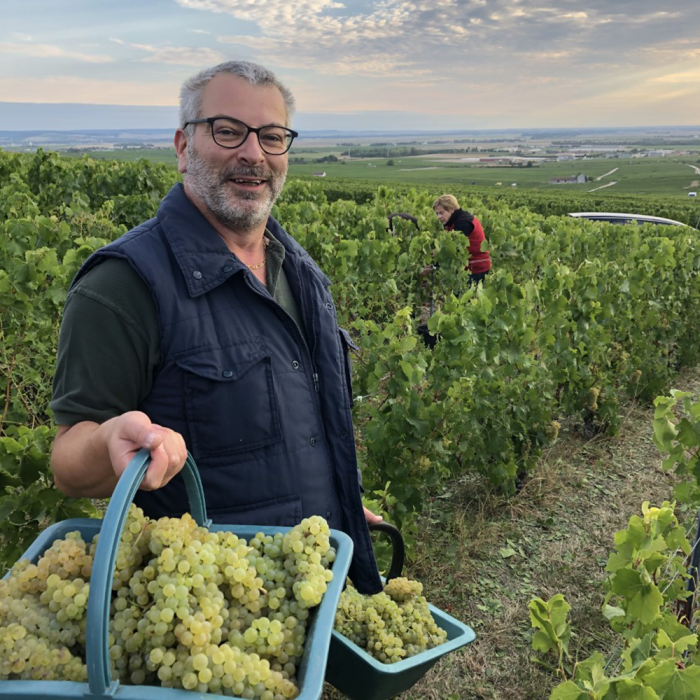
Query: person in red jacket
[[448, 212]]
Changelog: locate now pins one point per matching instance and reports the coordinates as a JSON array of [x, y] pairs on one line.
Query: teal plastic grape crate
[[310, 674], [360, 676]]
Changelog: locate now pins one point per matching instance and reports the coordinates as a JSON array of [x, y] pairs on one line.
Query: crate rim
[[466, 636]]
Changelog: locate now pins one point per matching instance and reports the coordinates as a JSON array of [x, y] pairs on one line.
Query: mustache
[[259, 173]]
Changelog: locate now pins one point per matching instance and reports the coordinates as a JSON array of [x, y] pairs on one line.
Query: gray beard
[[242, 211]]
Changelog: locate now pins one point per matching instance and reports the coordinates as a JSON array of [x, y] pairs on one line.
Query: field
[[508, 455], [632, 175], [154, 155], [668, 176]]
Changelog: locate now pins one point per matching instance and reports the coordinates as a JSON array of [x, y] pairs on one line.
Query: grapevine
[[575, 316]]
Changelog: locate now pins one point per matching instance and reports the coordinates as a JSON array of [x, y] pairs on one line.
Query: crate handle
[[97, 633], [398, 552]]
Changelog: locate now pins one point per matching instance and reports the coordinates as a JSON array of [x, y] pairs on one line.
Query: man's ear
[[180, 141]]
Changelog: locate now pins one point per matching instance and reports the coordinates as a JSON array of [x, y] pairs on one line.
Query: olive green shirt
[[109, 344]]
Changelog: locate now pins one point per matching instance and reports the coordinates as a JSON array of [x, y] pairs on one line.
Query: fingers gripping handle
[[97, 633]]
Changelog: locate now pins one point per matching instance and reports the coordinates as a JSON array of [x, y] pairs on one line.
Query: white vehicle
[[613, 218], [692, 194]]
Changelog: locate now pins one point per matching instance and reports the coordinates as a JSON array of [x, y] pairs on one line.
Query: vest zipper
[[314, 374], [312, 354]]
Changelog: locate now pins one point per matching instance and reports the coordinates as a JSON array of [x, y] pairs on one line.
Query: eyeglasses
[[231, 133]]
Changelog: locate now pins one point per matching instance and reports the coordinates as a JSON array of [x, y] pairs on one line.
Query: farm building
[[568, 180]]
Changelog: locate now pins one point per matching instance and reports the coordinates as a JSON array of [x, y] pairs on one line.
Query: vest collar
[[202, 256]]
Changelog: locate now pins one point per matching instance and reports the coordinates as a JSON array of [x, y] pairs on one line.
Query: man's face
[[442, 214], [238, 186]]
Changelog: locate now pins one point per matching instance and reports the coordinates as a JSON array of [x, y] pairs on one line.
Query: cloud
[[549, 55], [393, 39], [176, 55], [50, 51], [184, 56], [674, 78], [498, 59], [677, 50], [505, 61], [22, 37], [68, 88]]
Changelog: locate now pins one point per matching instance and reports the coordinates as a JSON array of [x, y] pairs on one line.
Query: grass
[[482, 557]]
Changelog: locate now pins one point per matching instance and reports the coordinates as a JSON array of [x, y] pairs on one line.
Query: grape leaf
[[674, 683], [644, 600]]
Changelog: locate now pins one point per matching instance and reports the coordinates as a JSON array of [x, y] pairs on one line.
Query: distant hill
[[26, 116], [29, 125], [95, 137]]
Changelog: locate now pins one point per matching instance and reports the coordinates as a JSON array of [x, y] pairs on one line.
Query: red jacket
[[470, 226]]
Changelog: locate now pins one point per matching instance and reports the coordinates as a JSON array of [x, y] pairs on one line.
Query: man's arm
[[88, 458], [107, 352]]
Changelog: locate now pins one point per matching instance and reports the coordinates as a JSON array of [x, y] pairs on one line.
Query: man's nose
[[250, 150]]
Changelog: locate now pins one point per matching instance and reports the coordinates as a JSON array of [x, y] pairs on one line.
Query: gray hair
[[255, 74]]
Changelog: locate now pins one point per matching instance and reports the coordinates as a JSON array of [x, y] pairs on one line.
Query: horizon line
[[382, 130]]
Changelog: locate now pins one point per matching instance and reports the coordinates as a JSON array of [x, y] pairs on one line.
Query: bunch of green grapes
[[42, 614], [192, 609], [392, 625], [309, 554]]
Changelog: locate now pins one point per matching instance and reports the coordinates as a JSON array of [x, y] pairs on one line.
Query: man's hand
[[88, 458], [371, 518], [127, 434]]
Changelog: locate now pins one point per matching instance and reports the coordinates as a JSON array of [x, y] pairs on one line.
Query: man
[[209, 329]]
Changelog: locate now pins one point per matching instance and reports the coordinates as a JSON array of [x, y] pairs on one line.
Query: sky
[[394, 64]]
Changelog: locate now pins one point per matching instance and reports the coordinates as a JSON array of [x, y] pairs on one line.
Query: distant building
[[574, 179]]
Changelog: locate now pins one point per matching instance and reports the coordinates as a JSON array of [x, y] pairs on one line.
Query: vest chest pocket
[[230, 399]]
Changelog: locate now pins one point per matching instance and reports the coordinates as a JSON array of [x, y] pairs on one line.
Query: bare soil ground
[[482, 557]]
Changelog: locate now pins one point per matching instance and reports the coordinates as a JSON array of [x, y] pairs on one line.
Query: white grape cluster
[[392, 625], [193, 609]]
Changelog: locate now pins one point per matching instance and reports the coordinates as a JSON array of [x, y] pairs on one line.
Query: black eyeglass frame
[[249, 130]]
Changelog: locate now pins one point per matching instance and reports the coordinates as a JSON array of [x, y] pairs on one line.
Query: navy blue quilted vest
[[263, 405]]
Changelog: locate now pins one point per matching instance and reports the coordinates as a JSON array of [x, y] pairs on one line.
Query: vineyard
[[575, 318]]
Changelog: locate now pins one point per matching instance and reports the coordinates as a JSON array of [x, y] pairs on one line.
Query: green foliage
[[47, 233], [553, 631], [680, 440], [656, 657], [549, 203], [573, 316], [28, 501], [646, 589]]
